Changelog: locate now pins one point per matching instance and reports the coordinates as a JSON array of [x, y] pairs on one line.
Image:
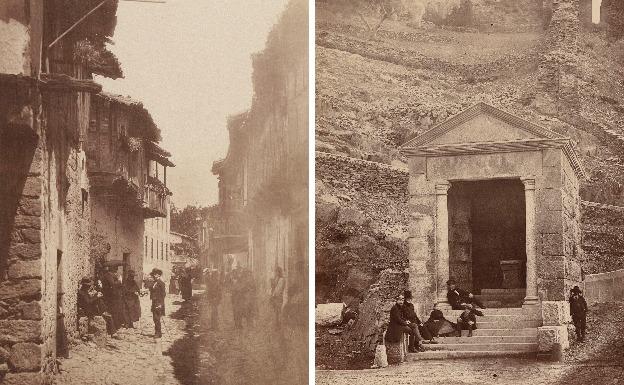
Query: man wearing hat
[[457, 297], [87, 299], [157, 295], [399, 325], [409, 313], [578, 311]]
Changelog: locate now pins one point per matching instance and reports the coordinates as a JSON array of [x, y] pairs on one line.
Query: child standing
[[578, 311]]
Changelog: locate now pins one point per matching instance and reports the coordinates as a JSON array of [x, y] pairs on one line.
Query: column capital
[[442, 188], [529, 182]]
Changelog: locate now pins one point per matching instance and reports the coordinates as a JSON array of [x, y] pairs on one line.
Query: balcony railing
[[155, 200]]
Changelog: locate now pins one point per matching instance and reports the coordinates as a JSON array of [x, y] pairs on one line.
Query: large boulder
[[329, 314]]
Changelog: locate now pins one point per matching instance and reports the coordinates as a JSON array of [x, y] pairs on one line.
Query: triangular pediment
[[478, 124]]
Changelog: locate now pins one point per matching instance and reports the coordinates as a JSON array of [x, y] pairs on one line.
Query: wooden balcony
[[155, 201]]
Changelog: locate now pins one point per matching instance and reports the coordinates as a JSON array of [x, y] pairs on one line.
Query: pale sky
[[189, 62]]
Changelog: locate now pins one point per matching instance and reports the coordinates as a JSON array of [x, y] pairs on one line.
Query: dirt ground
[[193, 352], [133, 359], [599, 361]]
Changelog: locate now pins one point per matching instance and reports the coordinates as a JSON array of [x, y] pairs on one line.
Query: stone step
[[531, 332], [476, 339], [491, 297], [509, 324], [502, 291], [494, 317], [462, 354], [513, 311], [490, 347]]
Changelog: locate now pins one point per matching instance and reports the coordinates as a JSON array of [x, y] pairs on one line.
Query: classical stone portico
[[493, 194]]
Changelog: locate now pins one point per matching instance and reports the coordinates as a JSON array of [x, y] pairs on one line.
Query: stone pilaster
[[442, 241], [531, 298]]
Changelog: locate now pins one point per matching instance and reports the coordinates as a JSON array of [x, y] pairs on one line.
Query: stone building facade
[[43, 121], [129, 198], [49, 196], [489, 190], [264, 180]]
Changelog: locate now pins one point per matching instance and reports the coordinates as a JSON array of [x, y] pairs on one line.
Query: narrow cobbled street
[[257, 354], [132, 359]]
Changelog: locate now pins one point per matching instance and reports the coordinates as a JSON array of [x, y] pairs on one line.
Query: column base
[[530, 301]]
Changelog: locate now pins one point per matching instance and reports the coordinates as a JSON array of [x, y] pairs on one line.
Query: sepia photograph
[[469, 201], [154, 192]]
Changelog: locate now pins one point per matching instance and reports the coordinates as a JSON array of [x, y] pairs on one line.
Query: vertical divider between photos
[[311, 190]]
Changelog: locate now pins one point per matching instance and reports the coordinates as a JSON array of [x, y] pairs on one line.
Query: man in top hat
[[409, 313], [157, 295], [578, 311], [457, 297], [399, 325], [87, 299]]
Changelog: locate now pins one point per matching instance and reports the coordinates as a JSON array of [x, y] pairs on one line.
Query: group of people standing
[[111, 296], [116, 299]]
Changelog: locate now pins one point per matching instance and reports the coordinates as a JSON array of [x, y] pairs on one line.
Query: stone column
[[531, 297], [442, 242]]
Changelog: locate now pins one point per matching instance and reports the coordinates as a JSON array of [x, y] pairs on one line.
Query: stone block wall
[[377, 189], [21, 243], [604, 287], [559, 236], [558, 67]]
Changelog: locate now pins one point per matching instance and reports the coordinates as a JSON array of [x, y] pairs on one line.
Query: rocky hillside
[[373, 94]]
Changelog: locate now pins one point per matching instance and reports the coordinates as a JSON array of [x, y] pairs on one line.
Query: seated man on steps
[[467, 320], [409, 313], [399, 325], [456, 297]]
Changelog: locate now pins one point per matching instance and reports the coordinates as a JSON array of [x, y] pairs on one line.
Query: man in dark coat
[[214, 292], [399, 325], [131, 294], [578, 311], [87, 299], [409, 313], [457, 297], [157, 295], [113, 297], [467, 319]]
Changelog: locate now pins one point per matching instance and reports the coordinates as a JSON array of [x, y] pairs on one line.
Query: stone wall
[[559, 237], [558, 63], [361, 225], [603, 237], [612, 14], [604, 287], [21, 243]]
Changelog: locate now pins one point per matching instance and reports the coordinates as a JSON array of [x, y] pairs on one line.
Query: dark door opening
[[62, 346], [487, 234]]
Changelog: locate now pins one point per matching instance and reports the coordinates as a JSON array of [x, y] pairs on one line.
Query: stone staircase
[[498, 298], [502, 332]]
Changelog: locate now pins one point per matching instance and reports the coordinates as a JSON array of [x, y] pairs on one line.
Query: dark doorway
[[62, 346], [487, 226], [126, 264]]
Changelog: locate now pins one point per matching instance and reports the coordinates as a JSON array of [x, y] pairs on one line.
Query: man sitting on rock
[[457, 297], [409, 313], [399, 325]]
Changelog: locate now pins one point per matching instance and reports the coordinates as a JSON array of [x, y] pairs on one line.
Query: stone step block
[[446, 355], [532, 332], [503, 291], [475, 339], [516, 311], [509, 324], [476, 347]]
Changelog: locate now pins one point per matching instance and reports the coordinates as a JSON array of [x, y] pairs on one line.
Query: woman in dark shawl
[[131, 293], [438, 325]]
